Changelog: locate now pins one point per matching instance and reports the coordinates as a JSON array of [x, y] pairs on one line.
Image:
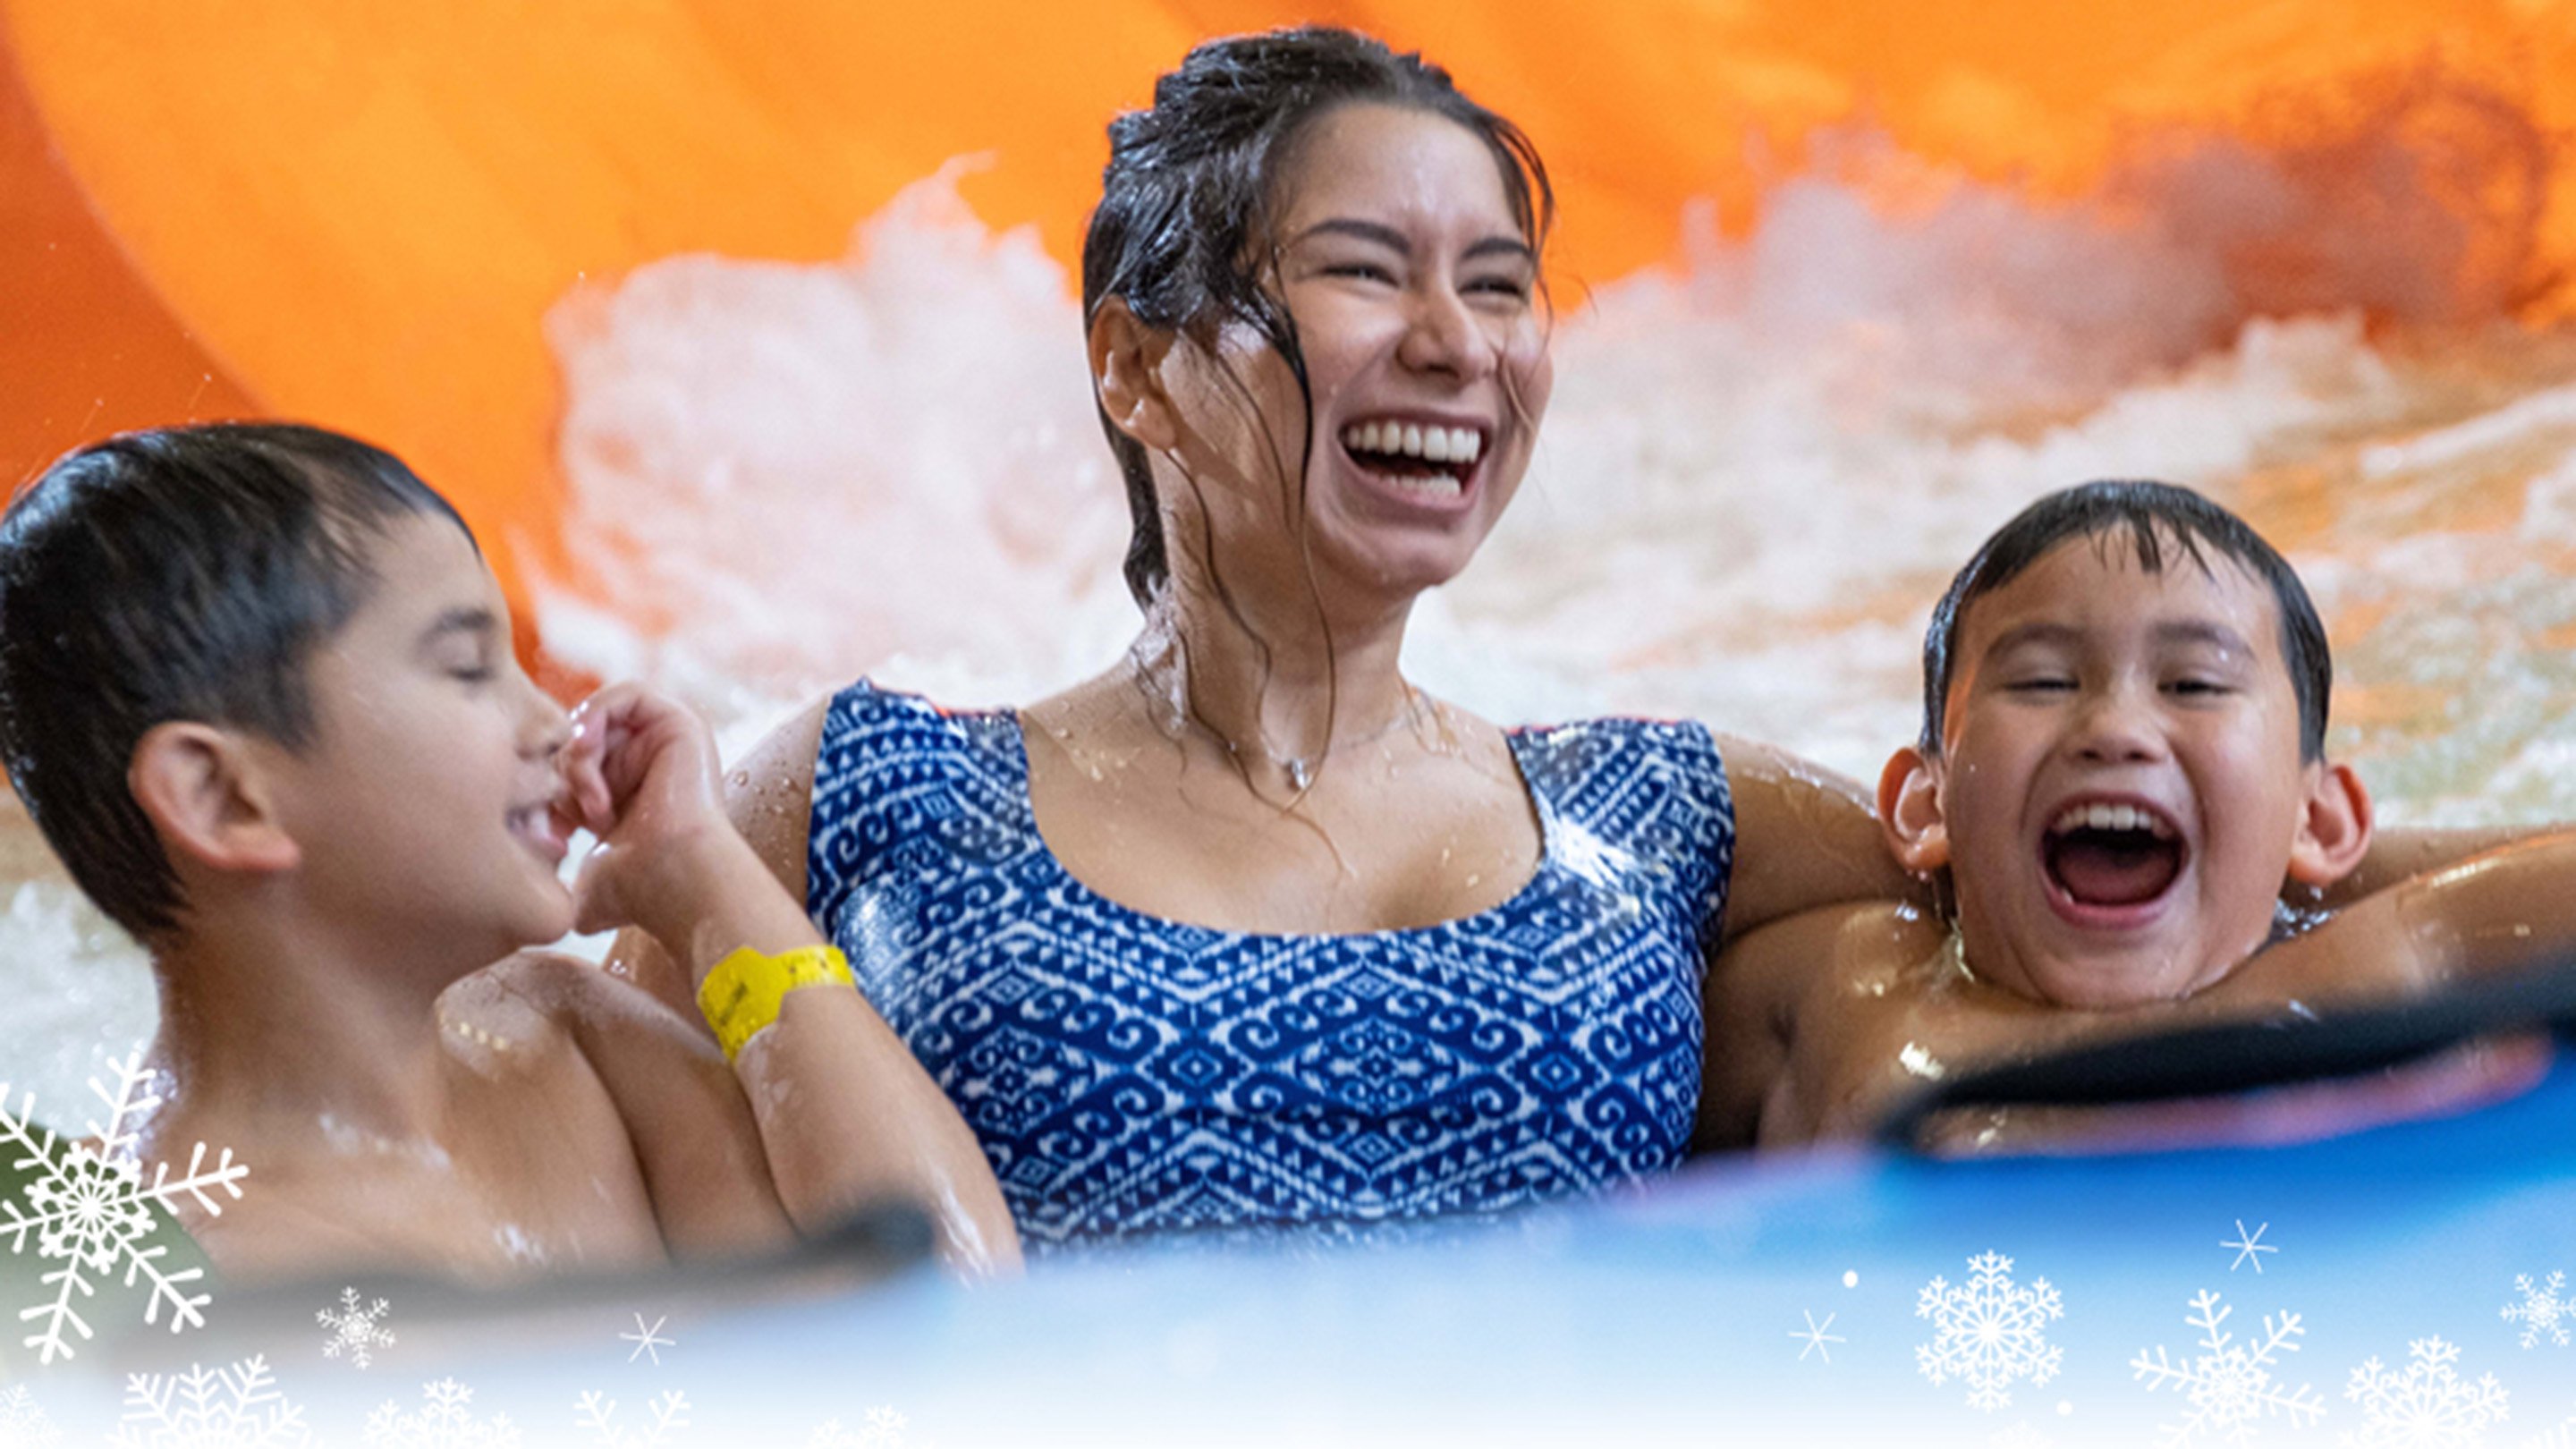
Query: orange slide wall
[[357, 211]]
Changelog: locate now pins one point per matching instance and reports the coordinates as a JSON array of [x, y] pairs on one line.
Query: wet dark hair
[[178, 574], [2156, 516], [1180, 234]]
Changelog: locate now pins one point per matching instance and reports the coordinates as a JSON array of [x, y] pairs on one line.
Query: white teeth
[[2100, 816], [1412, 440], [1436, 485]]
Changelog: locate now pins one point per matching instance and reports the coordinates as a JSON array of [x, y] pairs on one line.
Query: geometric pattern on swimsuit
[[1130, 1075]]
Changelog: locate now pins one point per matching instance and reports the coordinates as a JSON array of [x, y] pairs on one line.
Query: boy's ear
[[2334, 827], [1909, 811], [1127, 372], [206, 797]]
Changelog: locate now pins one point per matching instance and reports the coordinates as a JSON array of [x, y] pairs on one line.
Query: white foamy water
[[1758, 471]]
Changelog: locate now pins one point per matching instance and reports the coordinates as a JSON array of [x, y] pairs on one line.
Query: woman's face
[[1414, 294]]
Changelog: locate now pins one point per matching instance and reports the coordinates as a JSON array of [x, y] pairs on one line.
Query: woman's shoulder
[[866, 704], [1613, 748], [870, 727]]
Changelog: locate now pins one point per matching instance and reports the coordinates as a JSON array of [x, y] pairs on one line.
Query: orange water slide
[[358, 211]]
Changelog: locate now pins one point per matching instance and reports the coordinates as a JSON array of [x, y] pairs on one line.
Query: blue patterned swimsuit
[[1128, 1074]]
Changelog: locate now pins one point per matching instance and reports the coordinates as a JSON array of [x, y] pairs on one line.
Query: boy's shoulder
[[536, 1009], [1789, 1004], [670, 1089]]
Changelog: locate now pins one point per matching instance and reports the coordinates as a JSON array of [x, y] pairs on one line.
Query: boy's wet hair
[[2156, 517], [177, 574]]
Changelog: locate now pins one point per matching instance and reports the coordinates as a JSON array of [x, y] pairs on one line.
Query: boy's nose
[[544, 729], [2118, 729]]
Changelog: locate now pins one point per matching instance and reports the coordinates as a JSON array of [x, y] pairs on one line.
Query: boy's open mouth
[[539, 829], [1429, 462], [2109, 855]]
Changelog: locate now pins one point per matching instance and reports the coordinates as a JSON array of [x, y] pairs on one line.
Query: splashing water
[[1758, 471]]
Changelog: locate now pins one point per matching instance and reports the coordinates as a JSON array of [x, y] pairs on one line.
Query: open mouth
[[2109, 856], [1426, 461], [537, 827]]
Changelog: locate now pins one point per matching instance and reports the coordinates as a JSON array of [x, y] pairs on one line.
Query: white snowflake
[[1816, 1337], [2249, 1247], [90, 1210], [1988, 1331], [2426, 1407], [2561, 1435], [883, 1430], [2544, 1308], [648, 1340], [234, 1407], [354, 1329], [446, 1421], [598, 1413], [2229, 1386], [23, 1424]]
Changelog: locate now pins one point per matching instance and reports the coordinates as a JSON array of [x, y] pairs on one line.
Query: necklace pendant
[[1299, 773]]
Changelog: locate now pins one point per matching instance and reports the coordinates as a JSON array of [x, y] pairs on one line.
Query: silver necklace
[[1162, 675], [1300, 769]]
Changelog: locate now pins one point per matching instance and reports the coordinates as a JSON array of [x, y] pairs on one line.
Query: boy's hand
[[642, 775]]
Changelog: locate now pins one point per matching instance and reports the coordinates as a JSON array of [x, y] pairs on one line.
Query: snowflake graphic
[[354, 1329], [2249, 1247], [2229, 1386], [1816, 1337], [598, 1413], [234, 1407], [883, 1430], [446, 1421], [2427, 1406], [23, 1424], [2019, 1436], [648, 1340], [1988, 1331], [90, 1210], [2544, 1308], [2562, 1435]]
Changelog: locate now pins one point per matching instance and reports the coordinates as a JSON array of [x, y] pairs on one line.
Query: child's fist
[[641, 774]]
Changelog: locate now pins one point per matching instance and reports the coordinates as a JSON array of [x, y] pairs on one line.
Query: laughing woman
[[1250, 931]]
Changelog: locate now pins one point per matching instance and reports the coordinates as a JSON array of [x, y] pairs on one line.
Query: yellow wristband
[[742, 994]]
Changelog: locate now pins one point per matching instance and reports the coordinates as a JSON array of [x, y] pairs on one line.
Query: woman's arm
[[2396, 855], [1804, 837], [768, 797], [846, 1113], [2498, 911]]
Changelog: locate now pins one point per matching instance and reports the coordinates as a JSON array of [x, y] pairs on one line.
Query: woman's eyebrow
[[1371, 231], [1396, 241]]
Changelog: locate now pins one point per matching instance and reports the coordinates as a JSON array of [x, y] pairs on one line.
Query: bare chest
[[1867, 1043], [525, 1181]]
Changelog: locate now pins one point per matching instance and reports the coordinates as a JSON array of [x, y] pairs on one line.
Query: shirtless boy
[[257, 690], [2121, 768]]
